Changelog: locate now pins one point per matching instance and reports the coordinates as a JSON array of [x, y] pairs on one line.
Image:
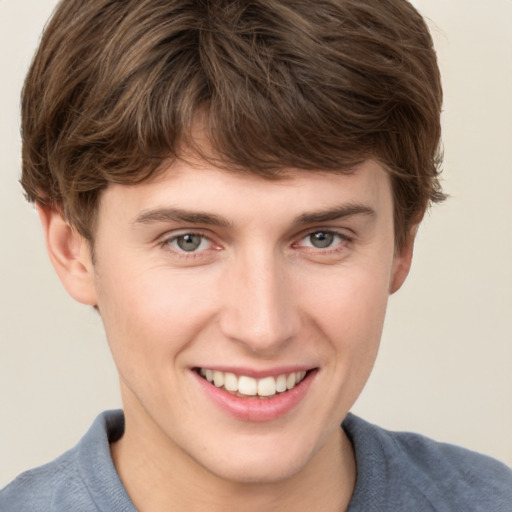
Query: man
[[236, 187]]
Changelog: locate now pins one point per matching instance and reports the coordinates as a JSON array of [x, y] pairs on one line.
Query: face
[[244, 315]]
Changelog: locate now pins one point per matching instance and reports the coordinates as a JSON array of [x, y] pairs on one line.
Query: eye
[[323, 239], [189, 242]]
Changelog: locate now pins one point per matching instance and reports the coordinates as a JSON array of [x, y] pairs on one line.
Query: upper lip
[[257, 373]]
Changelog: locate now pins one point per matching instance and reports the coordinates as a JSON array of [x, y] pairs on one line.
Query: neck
[[157, 474]]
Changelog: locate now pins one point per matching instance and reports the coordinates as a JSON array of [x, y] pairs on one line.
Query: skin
[[255, 294]]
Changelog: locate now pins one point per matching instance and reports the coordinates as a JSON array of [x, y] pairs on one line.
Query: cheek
[[350, 313], [350, 305], [152, 314]]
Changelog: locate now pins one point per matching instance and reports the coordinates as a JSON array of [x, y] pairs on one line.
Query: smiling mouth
[[249, 387]]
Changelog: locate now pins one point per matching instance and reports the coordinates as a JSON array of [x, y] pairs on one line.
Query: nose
[[259, 306]]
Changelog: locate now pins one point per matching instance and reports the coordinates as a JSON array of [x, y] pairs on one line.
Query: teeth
[[267, 386], [230, 382], [218, 378], [249, 386], [281, 383], [290, 381]]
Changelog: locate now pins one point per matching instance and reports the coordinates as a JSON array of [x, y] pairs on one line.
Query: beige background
[[446, 359]]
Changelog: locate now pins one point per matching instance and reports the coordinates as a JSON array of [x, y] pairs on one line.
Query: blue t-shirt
[[395, 472]]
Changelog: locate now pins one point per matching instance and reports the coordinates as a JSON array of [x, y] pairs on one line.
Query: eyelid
[[166, 239], [346, 234], [176, 233], [345, 238]]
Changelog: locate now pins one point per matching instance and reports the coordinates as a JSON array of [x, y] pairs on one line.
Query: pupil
[[189, 242], [321, 239]]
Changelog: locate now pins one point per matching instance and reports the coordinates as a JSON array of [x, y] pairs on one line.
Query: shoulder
[[80, 479], [426, 475], [37, 489]]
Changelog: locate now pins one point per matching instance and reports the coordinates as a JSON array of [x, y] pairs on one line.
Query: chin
[[259, 463], [268, 472]]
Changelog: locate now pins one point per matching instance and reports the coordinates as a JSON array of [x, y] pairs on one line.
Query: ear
[[70, 255], [402, 262]]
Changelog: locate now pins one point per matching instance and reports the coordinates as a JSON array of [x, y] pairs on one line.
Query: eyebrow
[[340, 212], [179, 215], [210, 219]]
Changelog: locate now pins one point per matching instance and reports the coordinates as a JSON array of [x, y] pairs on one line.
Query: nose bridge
[[259, 308]]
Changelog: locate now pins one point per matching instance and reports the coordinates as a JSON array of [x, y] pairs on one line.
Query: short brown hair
[[117, 87]]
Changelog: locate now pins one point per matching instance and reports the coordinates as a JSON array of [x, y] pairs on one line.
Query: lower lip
[[258, 409]]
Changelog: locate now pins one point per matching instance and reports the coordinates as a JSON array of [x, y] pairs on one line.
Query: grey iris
[[321, 239], [189, 242]]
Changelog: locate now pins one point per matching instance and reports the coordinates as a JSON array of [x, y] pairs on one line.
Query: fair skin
[[202, 269]]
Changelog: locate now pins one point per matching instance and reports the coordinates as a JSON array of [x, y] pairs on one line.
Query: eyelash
[[336, 247], [166, 244], [344, 239]]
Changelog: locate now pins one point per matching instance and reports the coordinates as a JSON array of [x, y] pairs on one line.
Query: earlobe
[[402, 263], [70, 255]]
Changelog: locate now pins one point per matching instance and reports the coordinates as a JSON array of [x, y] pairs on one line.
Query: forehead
[[232, 195], [194, 194]]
